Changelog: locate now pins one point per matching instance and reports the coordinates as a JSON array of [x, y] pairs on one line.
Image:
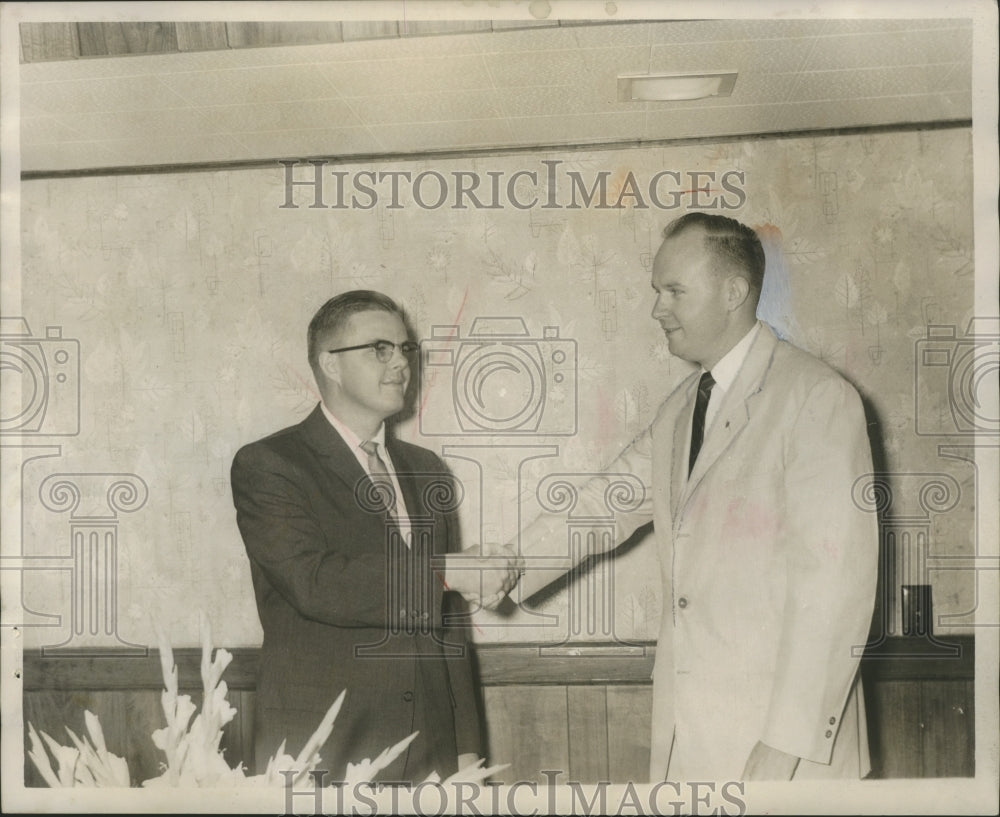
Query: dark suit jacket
[[344, 604]]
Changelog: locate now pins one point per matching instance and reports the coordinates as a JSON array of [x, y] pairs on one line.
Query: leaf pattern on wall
[[190, 294]]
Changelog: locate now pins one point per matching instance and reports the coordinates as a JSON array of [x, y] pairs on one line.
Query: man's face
[[367, 387], [691, 303]]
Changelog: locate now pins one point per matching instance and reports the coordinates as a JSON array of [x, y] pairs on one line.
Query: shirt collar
[[352, 439], [724, 372]]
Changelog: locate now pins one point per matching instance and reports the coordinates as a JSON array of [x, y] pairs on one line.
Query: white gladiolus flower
[[191, 742]]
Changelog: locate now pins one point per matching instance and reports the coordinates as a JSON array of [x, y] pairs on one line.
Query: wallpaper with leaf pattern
[[189, 295]]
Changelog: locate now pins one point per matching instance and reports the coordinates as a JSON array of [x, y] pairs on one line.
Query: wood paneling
[[201, 36], [919, 658], [249, 35], [921, 728], [527, 727], [630, 709], [144, 710], [894, 728], [108, 39], [587, 713], [128, 720], [54, 713], [900, 659], [49, 41], [506, 25], [577, 664], [948, 713], [67, 41], [103, 671], [420, 28], [240, 749], [369, 29], [542, 706]]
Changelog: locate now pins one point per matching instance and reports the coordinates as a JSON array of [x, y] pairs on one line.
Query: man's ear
[[737, 291], [329, 365]]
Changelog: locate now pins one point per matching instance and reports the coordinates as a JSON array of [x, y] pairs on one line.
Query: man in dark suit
[[340, 522]]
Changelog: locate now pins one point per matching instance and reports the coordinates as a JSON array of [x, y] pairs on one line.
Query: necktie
[[380, 477], [698, 421]]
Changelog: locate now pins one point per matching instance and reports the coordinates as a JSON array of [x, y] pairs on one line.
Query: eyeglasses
[[384, 349]]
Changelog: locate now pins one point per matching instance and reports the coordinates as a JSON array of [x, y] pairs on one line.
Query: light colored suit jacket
[[768, 568]]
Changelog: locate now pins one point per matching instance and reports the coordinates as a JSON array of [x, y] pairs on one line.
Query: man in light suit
[[340, 523], [768, 567]]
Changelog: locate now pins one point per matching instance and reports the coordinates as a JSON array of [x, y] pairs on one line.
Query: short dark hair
[[334, 314], [732, 243]]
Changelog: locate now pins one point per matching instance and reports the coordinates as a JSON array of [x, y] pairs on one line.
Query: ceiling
[[487, 89]]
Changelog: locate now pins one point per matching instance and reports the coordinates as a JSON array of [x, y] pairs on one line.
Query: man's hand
[[483, 575], [767, 763]]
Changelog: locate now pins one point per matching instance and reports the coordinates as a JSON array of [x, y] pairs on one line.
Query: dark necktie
[[698, 421], [380, 477]]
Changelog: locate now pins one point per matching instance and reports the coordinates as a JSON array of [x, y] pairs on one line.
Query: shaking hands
[[483, 575]]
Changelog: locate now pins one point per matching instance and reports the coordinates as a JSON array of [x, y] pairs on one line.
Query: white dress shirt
[[724, 373], [354, 443]]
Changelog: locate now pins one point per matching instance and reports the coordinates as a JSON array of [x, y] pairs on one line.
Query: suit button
[[682, 602], [407, 696], [832, 721], [829, 734]]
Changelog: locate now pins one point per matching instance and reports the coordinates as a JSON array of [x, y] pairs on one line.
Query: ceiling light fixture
[[675, 87]]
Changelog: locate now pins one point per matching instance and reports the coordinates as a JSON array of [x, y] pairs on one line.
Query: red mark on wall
[[430, 383]]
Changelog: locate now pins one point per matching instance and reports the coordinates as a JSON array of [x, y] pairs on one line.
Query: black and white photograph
[[499, 407]]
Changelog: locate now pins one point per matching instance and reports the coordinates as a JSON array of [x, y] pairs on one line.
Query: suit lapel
[[733, 414], [324, 440], [728, 423], [682, 435], [341, 463]]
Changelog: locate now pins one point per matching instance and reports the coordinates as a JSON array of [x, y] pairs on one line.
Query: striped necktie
[[380, 477], [698, 421]]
